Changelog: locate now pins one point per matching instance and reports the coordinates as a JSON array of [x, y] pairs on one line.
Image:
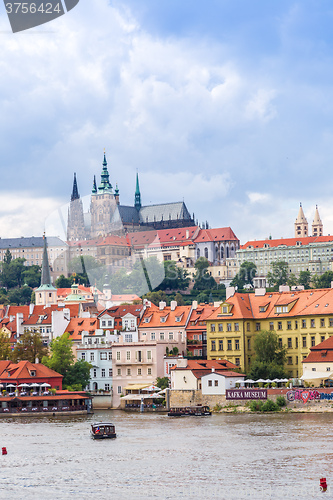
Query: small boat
[[103, 430], [188, 411]]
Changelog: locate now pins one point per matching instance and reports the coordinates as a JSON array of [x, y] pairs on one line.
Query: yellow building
[[302, 319]]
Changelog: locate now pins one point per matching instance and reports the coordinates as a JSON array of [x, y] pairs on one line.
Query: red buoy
[[323, 484], [4, 450]]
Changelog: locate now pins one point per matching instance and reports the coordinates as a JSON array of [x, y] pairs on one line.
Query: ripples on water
[[155, 456]]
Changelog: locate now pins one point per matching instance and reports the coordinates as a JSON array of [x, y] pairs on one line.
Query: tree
[[292, 280], [162, 382], [305, 279], [29, 347], [78, 375], [323, 281], [270, 357], [156, 297], [63, 282], [247, 272], [176, 278], [5, 349], [279, 274], [62, 356], [202, 279], [32, 275], [179, 299]]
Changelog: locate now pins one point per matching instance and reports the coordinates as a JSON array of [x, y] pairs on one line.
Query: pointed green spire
[[137, 200], [46, 277], [94, 189], [105, 183], [116, 191]]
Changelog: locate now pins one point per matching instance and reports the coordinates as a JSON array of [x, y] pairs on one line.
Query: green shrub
[[280, 400], [217, 407], [269, 405], [256, 405]]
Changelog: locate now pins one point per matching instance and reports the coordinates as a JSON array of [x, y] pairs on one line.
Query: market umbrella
[[34, 385], [239, 382], [151, 388], [268, 381], [24, 385], [11, 385], [45, 385], [249, 381], [260, 381]]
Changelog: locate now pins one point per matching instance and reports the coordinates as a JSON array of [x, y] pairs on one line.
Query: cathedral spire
[[75, 192], [46, 294], [317, 225], [46, 277], [137, 200], [105, 183], [301, 224], [94, 189]]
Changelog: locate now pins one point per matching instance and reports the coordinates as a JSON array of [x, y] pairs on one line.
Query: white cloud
[[259, 197]]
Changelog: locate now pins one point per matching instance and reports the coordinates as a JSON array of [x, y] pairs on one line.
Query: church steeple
[[75, 192], [137, 201], [301, 224], [46, 294], [317, 225], [105, 185], [94, 189]]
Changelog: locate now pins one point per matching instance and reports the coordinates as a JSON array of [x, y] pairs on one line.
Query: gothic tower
[[301, 224], [75, 225], [317, 225], [46, 294], [103, 205]]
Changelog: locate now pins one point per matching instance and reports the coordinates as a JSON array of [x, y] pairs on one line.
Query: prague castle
[[107, 216]]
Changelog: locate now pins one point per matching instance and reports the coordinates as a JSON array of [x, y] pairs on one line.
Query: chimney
[[162, 305], [31, 308], [173, 305], [187, 234], [259, 292], [195, 304], [213, 369], [284, 288], [230, 292]]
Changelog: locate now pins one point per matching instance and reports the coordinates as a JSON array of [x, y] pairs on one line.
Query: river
[[224, 456]]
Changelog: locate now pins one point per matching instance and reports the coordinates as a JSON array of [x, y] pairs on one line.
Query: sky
[[225, 104]]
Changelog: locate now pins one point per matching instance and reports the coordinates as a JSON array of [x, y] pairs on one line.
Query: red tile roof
[[17, 371], [286, 242], [321, 353], [78, 325], [155, 316], [218, 234]]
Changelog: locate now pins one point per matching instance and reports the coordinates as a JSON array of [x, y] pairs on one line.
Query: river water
[[225, 456]]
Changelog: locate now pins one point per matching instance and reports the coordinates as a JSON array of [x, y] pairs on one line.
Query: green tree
[[292, 280], [63, 282], [119, 281], [179, 299], [156, 297], [176, 278], [62, 356], [270, 357], [305, 279], [7, 257], [32, 275], [77, 375], [202, 279], [162, 382], [278, 275], [323, 281], [247, 272], [29, 347], [5, 349]]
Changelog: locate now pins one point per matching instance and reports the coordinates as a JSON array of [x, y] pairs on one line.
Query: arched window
[[222, 252], [206, 252], [227, 252], [198, 253]]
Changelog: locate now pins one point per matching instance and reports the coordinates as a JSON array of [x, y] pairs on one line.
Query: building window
[[220, 345], [149, 355], [279, 325], [331, 322], [92, 356], [289, 360], [212, 327], [103, 372], [83, 355], [170, 336], [216, 383], [128, 371], [296, 360], [313, 341], [271, 325], [118, 355], [303, 323], [128, 355], [225, 309], [152, 336], [213, 345], [296, 343], [107, 387], [95, 373], [139, 371], [229, 345], [296, 324], [312, 323], [322, 322], [236, 327], [119, 371], [220, 327], [248, 327], [304, 341], [149, 371], [280, 342], [110, 372], [289, 343], [228, 327], [322, 338], [110, 356], [103, 355], [161, 336], [210, 383], [288, 325], [257, 327], [237, 361], [237, 345], [249, 344], [119, 389]]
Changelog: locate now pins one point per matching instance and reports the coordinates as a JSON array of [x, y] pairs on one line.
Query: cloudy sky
[[225, 104]]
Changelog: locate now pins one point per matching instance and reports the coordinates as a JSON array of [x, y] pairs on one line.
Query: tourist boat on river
[[103, 430], [190, 411]]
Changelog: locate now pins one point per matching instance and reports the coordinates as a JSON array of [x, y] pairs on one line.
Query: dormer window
[[32, 373], [163, 319]]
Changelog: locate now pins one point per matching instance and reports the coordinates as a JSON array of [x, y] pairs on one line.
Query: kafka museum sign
[[246, 394]]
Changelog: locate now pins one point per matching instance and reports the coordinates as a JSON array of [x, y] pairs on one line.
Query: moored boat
[[188, 411], [103, 430]]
